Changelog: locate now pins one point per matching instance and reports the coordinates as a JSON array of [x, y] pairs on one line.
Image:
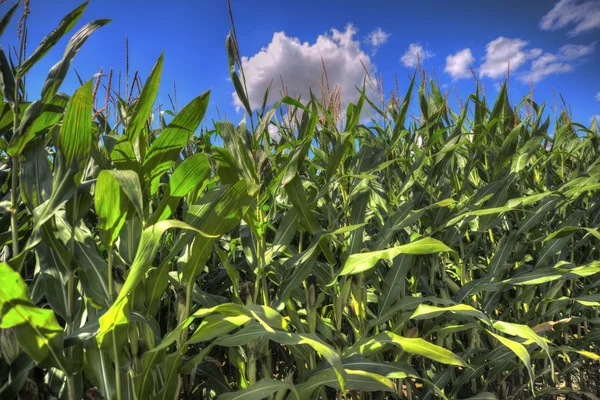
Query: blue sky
[[552, 43]]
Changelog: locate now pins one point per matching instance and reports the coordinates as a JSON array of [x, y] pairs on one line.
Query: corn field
[[449, 255]]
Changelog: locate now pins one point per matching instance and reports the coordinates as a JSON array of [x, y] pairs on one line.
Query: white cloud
[[274, 132], [574, 51], [376, 39], [458, 65], [550, 64], [413, 54], [598, 96], [299, 65], [499, 52], [585, 15], [547, 64]]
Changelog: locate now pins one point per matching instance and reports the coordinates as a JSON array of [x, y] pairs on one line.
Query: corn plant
[[451, 255]]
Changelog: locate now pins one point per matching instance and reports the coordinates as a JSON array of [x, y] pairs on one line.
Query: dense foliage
[[449, 255]]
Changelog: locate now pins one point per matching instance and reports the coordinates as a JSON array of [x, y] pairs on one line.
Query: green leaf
[[191, 173], [36, 175], [237, 147], [417, 346], [5, 20], [361, 262], [49, 41], [562, 271], [144, 104], [146, 252], [520, 352], [425, 311], [58, 72], [37, 330], [260, 390], [75, 138], [216, 325], [355, 380], [239, 90], [165, 150], [172, 379], [7, 80], [111, 206], [266, 316]]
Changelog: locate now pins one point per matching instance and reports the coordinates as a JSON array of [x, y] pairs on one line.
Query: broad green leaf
[[355, 380], [144, 104], [165, 150], [172, 381], [361, 262], [36, 175], [189, 175], [147, 248], [58, 72], [261, 389], [425, 311], [49, 41], [111, 206], [417, 346], [4, 21], [266, 316], [520, 352], [216, 325], [394, 282], [7, 80], [75, 137], [562, 271], [37, 330]]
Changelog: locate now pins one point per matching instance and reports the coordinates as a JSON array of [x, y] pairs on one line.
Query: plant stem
[[14, 198], [110, 276], [70, 387], [114, 337]]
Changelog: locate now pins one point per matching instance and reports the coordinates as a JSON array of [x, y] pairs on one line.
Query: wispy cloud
[[458, 65], [502, 51], [547, 64], [414, 54], [585, 15], [575, 51], [376, 39], [598, 96], [550, 64]]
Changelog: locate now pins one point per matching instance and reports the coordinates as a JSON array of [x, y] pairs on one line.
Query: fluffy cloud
[[377, 38], [499, 52], [585, 15], [458, 65], [413, 54], [550, 64], [598, 96], [299, 66]]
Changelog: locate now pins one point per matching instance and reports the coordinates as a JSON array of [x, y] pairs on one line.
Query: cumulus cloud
[[458, 65], [298, 64], [585, 15], [376, 39], [550, 64], [414, 54], [502, 51], [598, 96]]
